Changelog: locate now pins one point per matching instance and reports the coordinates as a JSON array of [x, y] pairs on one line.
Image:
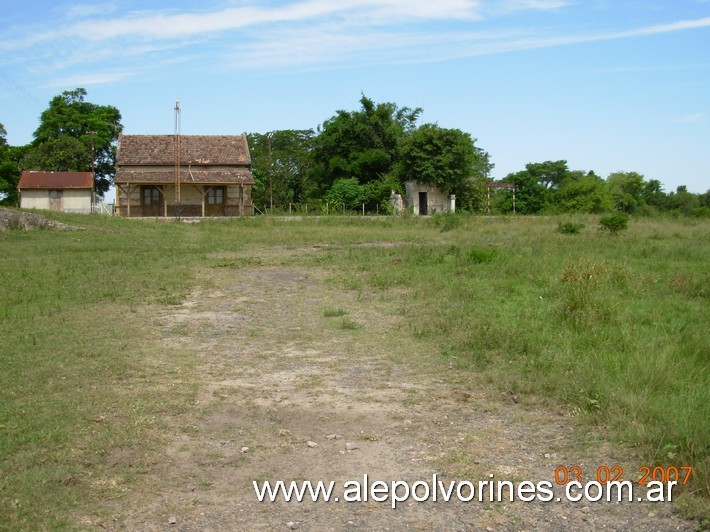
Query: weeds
[[615, 328]]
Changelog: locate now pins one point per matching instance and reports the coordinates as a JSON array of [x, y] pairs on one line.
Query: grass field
[[615, 328]]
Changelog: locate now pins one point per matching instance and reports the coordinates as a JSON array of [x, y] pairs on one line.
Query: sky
[[607, 85]]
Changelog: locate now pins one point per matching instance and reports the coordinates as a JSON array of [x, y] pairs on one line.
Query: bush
[[346, 192], [569, 228], [447, 221], [480, 255], [614, 223]]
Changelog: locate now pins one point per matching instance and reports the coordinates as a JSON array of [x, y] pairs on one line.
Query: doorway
[[423, 204], [215, 202], [151, 201], [55, 200]]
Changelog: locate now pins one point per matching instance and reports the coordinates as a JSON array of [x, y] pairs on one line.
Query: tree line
[[354, 158]]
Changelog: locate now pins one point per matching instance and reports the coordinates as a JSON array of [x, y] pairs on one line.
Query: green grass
[[615, 328]]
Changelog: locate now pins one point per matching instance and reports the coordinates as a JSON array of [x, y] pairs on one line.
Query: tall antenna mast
[[177, 158]]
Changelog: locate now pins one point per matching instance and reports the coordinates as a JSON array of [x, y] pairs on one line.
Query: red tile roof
[[56, 180], [203, 159], [195, 150]]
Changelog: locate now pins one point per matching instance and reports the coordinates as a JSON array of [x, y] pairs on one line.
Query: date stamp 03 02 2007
[[566, 474]]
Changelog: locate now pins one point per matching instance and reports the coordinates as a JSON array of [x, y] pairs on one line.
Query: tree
[[530, 195], [582, 193], [535, 187], [9, 170], [550, 174], [64, 138], [449, 159], [287, 166], [346, 193], [626, 190], [362, 144], [653, 194]]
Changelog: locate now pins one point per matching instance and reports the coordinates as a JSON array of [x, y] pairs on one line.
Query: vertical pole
[[513, 198], [271, 174], [93, 174], [177, 159]]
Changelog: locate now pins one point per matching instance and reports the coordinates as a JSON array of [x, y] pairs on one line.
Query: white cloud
[[303, 33], [691, 118], [87, 10], [89, 79]]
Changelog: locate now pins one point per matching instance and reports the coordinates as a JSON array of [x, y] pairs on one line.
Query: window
[[215, 196], [151, 196]]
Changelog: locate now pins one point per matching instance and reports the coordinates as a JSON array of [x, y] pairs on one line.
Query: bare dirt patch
[[278, 370]]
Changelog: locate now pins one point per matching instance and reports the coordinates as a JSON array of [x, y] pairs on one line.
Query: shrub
[[479, 255], [569, 228], [447, 221], [614, 223], [346, 192]]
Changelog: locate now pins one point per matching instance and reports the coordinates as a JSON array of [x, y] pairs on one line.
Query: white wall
[[73, 200], [437, 200]]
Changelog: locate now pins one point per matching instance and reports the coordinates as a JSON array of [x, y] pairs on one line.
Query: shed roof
[[56, 180], [195, 150]]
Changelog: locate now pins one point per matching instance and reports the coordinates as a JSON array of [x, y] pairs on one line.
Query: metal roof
[[56, 180]]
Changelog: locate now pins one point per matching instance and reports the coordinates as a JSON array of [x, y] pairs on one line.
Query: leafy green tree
[[535, 187], [471, 195], [9, 170], [442, 157], [582, 193], [288, 166], [67, 130], [653, 194], [530, 194], [549, 174], [627, 190], [683, 202], [378, 192], [345, 192], [362, 144]]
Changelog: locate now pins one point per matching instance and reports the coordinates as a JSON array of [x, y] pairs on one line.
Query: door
[[55, 200], [151, 201], [215, 202], [423, 204]]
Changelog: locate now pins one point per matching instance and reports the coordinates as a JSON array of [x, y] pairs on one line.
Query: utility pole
[[177, 158], [93, 172], [269, 136]]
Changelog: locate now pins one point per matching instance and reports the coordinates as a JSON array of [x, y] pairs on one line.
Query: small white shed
[[57, 191], [427, 199]]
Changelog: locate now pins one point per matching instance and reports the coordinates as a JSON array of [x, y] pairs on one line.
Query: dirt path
[[280, 367]]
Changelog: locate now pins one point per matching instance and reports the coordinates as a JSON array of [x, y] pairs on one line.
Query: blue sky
[[608, 85]]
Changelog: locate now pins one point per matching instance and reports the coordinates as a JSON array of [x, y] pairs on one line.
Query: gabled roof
[[195, 150], [56, 180]]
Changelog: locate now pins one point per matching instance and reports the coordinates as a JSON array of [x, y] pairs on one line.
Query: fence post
[[327, 207], [363, 209], [289, 207]]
